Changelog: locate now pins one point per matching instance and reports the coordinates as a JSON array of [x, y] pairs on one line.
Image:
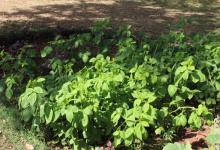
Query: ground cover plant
[[13, 134], [96, 87], [212, 139]]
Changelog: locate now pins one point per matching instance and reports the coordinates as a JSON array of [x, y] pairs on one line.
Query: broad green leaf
[[137, 102], [85, 57], [9, 93], [128, 141], [183, 120], [217, 85], [116, 118], [69, 114], [144, 94], [48, 115], [40, 80], [1, 89], [117, 141], [218, 95], [56, 115], [202, 109], [195, 77], [42, 110], [180, 120], [116, 133], [154, 79], [164, 78], [191, 68], [29, 91], [26, 114], [172, 89], [46, 51], [85, 120], [88, 111], [138, 130], [159, 131], [180, 70], [198, 122], [129, 132], [201, 76], [163, 112], [38, 90], [177, 146], [32, 99], [23, 101], [210, 101], [185, 75], [146, 107], [194, 120], [130, 121], [119, 77], [144, 123], [1, 86]]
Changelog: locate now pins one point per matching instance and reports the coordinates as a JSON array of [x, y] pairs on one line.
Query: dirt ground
[[149, 16]]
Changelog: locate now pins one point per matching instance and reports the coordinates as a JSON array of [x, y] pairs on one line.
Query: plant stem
[[186, 107]]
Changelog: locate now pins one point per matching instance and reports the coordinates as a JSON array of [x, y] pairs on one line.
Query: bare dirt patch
[[148, 16]]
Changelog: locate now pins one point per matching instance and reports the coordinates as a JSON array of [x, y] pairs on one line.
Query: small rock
[[3, 121], [109, 144], [29, 147], [10, 146]]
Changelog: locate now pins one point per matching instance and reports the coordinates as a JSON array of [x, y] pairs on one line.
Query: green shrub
[[119, 87]]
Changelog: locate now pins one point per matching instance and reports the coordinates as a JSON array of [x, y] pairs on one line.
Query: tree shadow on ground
[[193, 5], [149, 17]]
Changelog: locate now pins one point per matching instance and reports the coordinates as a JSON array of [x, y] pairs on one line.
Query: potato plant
[[100, 86]]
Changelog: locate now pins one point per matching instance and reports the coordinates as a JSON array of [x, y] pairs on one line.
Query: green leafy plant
[[95, 87], [177, 146]]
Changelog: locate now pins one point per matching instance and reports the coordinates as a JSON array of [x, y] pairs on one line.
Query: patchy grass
[[12, 133]]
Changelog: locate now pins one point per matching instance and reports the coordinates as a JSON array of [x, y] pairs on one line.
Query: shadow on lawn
[[150, 17]]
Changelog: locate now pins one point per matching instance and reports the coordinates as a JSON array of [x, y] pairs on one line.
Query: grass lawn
[[12, 133]]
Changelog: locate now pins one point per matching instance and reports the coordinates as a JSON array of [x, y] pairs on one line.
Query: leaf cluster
[[90, 95]]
